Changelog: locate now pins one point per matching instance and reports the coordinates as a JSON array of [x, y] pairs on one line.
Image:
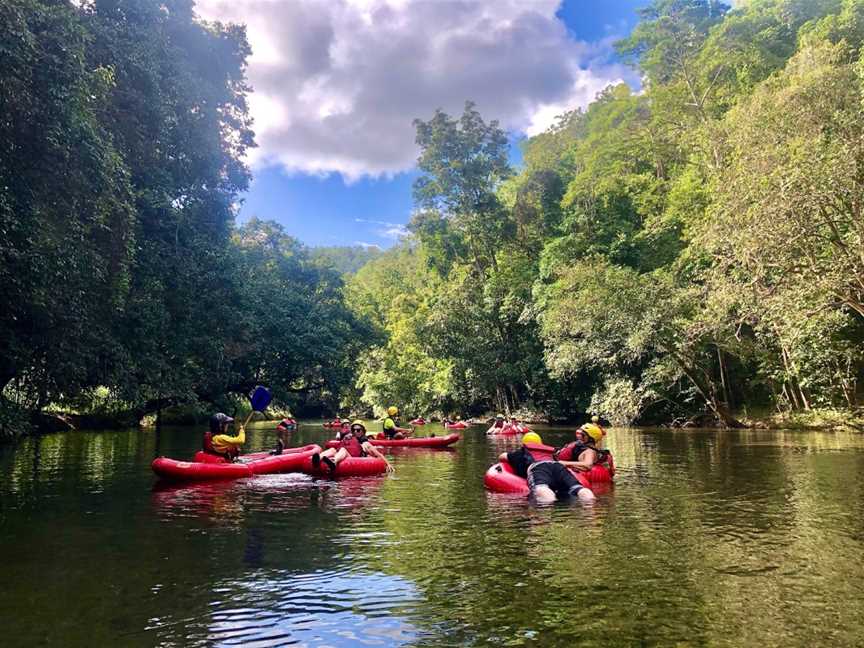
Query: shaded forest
[[687, 252]]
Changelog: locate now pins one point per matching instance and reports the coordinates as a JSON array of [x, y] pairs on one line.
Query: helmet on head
[[531, 437], [358, 424], [218, 421], [595, 419], [591, 430], [499, 416], [392, 411]]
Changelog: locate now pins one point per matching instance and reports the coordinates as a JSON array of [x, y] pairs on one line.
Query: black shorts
[[555, 476], [389, 434]]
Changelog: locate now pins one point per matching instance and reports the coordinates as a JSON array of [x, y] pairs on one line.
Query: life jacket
[[352, 444], [207, 443], [499, 423], [572, 450], [540, 451]]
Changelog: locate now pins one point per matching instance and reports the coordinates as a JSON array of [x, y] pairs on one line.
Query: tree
[[463, 163], [787, 226], [66, 205]]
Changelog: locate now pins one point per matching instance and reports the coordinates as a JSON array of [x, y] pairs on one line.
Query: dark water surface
[[707, 539]]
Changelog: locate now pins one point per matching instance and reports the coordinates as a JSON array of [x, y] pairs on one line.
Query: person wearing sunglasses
[[353, 443]]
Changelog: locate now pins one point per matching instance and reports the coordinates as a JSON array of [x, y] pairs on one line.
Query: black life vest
[[520, 460], [572, 450]]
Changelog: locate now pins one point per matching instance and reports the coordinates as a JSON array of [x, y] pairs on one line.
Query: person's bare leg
[[543, 494], [340, 455], [325, 456], [585, 495]]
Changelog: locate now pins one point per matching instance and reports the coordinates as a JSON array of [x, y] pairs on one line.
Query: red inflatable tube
[[198, 471], [419, 421], [509, 430], [207, 466], [349, 467], [332, 425], [500, 477], [456, 426], [410, 442]]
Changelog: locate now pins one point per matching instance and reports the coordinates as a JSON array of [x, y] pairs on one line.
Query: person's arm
[[370, 449], [586, 464], [234, 441]]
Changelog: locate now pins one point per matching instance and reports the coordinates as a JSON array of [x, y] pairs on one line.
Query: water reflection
[[331, 608], [706, 538]]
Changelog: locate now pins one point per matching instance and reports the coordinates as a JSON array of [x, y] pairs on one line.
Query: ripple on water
[[320, 608]]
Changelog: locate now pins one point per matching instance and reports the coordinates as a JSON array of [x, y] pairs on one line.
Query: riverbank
[[18, 422], [817, 419]]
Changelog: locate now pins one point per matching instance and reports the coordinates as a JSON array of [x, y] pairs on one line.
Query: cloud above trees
[[337, 83]]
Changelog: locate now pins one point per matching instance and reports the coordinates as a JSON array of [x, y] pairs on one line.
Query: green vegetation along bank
[[691, 253], [688, 253]]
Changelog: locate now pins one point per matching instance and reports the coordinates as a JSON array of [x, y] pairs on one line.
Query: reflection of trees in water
[[699, 524], [702, 530]]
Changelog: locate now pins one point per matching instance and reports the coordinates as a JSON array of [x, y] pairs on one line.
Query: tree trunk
[[709, 393]]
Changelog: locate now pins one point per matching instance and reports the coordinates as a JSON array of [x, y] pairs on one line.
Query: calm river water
[[707, 539]]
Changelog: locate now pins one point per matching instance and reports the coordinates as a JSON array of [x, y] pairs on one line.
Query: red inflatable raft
[[501, 478], [419, 421], [461, 425], [410, 442], [509, 430], [332, 425], [208, 466], [350, 467]]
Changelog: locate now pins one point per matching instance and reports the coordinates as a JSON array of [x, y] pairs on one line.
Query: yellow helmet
[[531, 437], [358, 422], [499, 416], [392, 411], [595, 419], [592, 431]]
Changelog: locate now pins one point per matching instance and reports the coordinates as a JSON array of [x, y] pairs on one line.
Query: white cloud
[[390, 230], [376, 222], [337, 83], [397, 232]]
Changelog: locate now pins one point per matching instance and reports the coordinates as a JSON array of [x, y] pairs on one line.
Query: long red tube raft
[[501, 478], [419, 421], [509, 430], [461, 425], [348, 467], [209, 467], [410, 442]]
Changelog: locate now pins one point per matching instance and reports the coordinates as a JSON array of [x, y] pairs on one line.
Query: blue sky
[[337, 85]]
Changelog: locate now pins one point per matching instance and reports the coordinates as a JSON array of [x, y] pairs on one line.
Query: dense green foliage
[[692, 249], [123, 126], [345, 259]]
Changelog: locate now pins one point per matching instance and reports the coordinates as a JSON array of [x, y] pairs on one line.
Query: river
[[708, 538]]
